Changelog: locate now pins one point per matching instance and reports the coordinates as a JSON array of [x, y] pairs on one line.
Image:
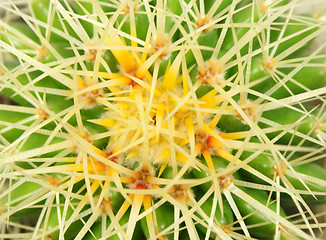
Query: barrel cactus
[[162, 119]]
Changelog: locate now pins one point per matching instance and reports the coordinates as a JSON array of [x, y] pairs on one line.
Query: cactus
[[162, 120]]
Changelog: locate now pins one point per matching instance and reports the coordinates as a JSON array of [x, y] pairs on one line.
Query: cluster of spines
[[140, 86]]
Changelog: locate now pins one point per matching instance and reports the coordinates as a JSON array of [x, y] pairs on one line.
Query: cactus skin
[[161, 120]]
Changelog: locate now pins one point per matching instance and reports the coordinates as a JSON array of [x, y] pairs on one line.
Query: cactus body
[[161, 120]]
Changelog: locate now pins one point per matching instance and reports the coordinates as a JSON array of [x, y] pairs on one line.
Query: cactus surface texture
[[162, 119]]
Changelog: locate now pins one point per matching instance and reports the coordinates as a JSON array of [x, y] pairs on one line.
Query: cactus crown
[[161, 120]]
